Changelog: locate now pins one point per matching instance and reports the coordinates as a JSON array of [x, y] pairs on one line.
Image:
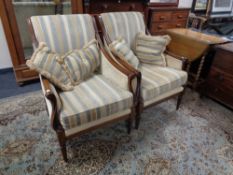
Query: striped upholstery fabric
[[120, 48], [157, 80], [45, 62], [91, 100], [63, 33], [80, 64], [124, 24], [150, 49]]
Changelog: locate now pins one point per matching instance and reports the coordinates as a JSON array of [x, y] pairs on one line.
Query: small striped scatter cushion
[[45, 62], [80, 64], [121, 49], [150, 49], [67, 70]]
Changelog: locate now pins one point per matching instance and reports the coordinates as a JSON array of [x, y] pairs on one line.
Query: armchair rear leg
[[62, 143], [179, 100], [137, 121], [139, 109], [129, 125]]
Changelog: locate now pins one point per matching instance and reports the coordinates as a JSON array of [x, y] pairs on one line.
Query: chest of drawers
[[161, 19], [103, 6], [219, 83]]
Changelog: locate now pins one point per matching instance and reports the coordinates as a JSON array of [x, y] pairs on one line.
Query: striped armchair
[[158, 83], [106, 97]]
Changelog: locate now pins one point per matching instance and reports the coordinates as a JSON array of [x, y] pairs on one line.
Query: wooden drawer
[[220, 94], [179, 24], [96, 8], [180, 16], [158, 27], [224, 60], [161, 16], [221, 79]]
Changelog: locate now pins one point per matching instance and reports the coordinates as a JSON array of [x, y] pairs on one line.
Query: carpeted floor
[[197, 139], [9, 87]]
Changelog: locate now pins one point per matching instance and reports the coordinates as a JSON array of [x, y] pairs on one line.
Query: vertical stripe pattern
[[157, 80], [93, 99], [80, 64], [120, 48], [150, 49], [45, 62], [63, 33], [123, 24]]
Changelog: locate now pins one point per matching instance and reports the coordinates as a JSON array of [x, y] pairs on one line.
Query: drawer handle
[[132, 7], [216, 89], [220, 78], [162, 18], [160, 27], [180, 16], [105, 7]]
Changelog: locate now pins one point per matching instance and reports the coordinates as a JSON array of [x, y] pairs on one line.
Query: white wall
[[5, 59], [185, 3]]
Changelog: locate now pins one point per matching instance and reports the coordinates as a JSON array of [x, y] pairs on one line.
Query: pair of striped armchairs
[[115, 91]]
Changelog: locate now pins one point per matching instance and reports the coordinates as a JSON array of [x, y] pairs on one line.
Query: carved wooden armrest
[[117, 73], [52, 101]]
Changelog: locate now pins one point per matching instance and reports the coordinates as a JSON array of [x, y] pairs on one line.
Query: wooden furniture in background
[[17, 33], [219, 83], [161, 19], [101, 6], [192, 45], [171, 16]]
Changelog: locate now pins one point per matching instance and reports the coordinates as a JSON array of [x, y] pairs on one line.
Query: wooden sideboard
[[219, 84], [102, 6], [161, 19]]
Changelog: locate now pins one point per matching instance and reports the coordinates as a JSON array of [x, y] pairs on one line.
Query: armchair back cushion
[[63, 33], [124, 24]]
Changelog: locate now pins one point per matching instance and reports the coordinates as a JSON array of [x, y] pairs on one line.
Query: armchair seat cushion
[[91, 100], [158, 80]]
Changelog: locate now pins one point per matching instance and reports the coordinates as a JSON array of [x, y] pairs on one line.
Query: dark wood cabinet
[[219, 84], [161, 19], [102, 6]]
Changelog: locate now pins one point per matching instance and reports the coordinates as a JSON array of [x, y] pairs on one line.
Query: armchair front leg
[[51, 100]]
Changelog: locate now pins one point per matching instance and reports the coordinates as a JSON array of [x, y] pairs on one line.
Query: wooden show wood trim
[[77, 6], [15, 31], [8, 33]]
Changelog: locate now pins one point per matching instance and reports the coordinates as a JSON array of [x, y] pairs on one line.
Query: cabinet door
[[14, 14], [24, 9]]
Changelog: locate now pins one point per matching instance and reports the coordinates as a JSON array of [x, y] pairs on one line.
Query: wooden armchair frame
[[50, 95], [140, 106]]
